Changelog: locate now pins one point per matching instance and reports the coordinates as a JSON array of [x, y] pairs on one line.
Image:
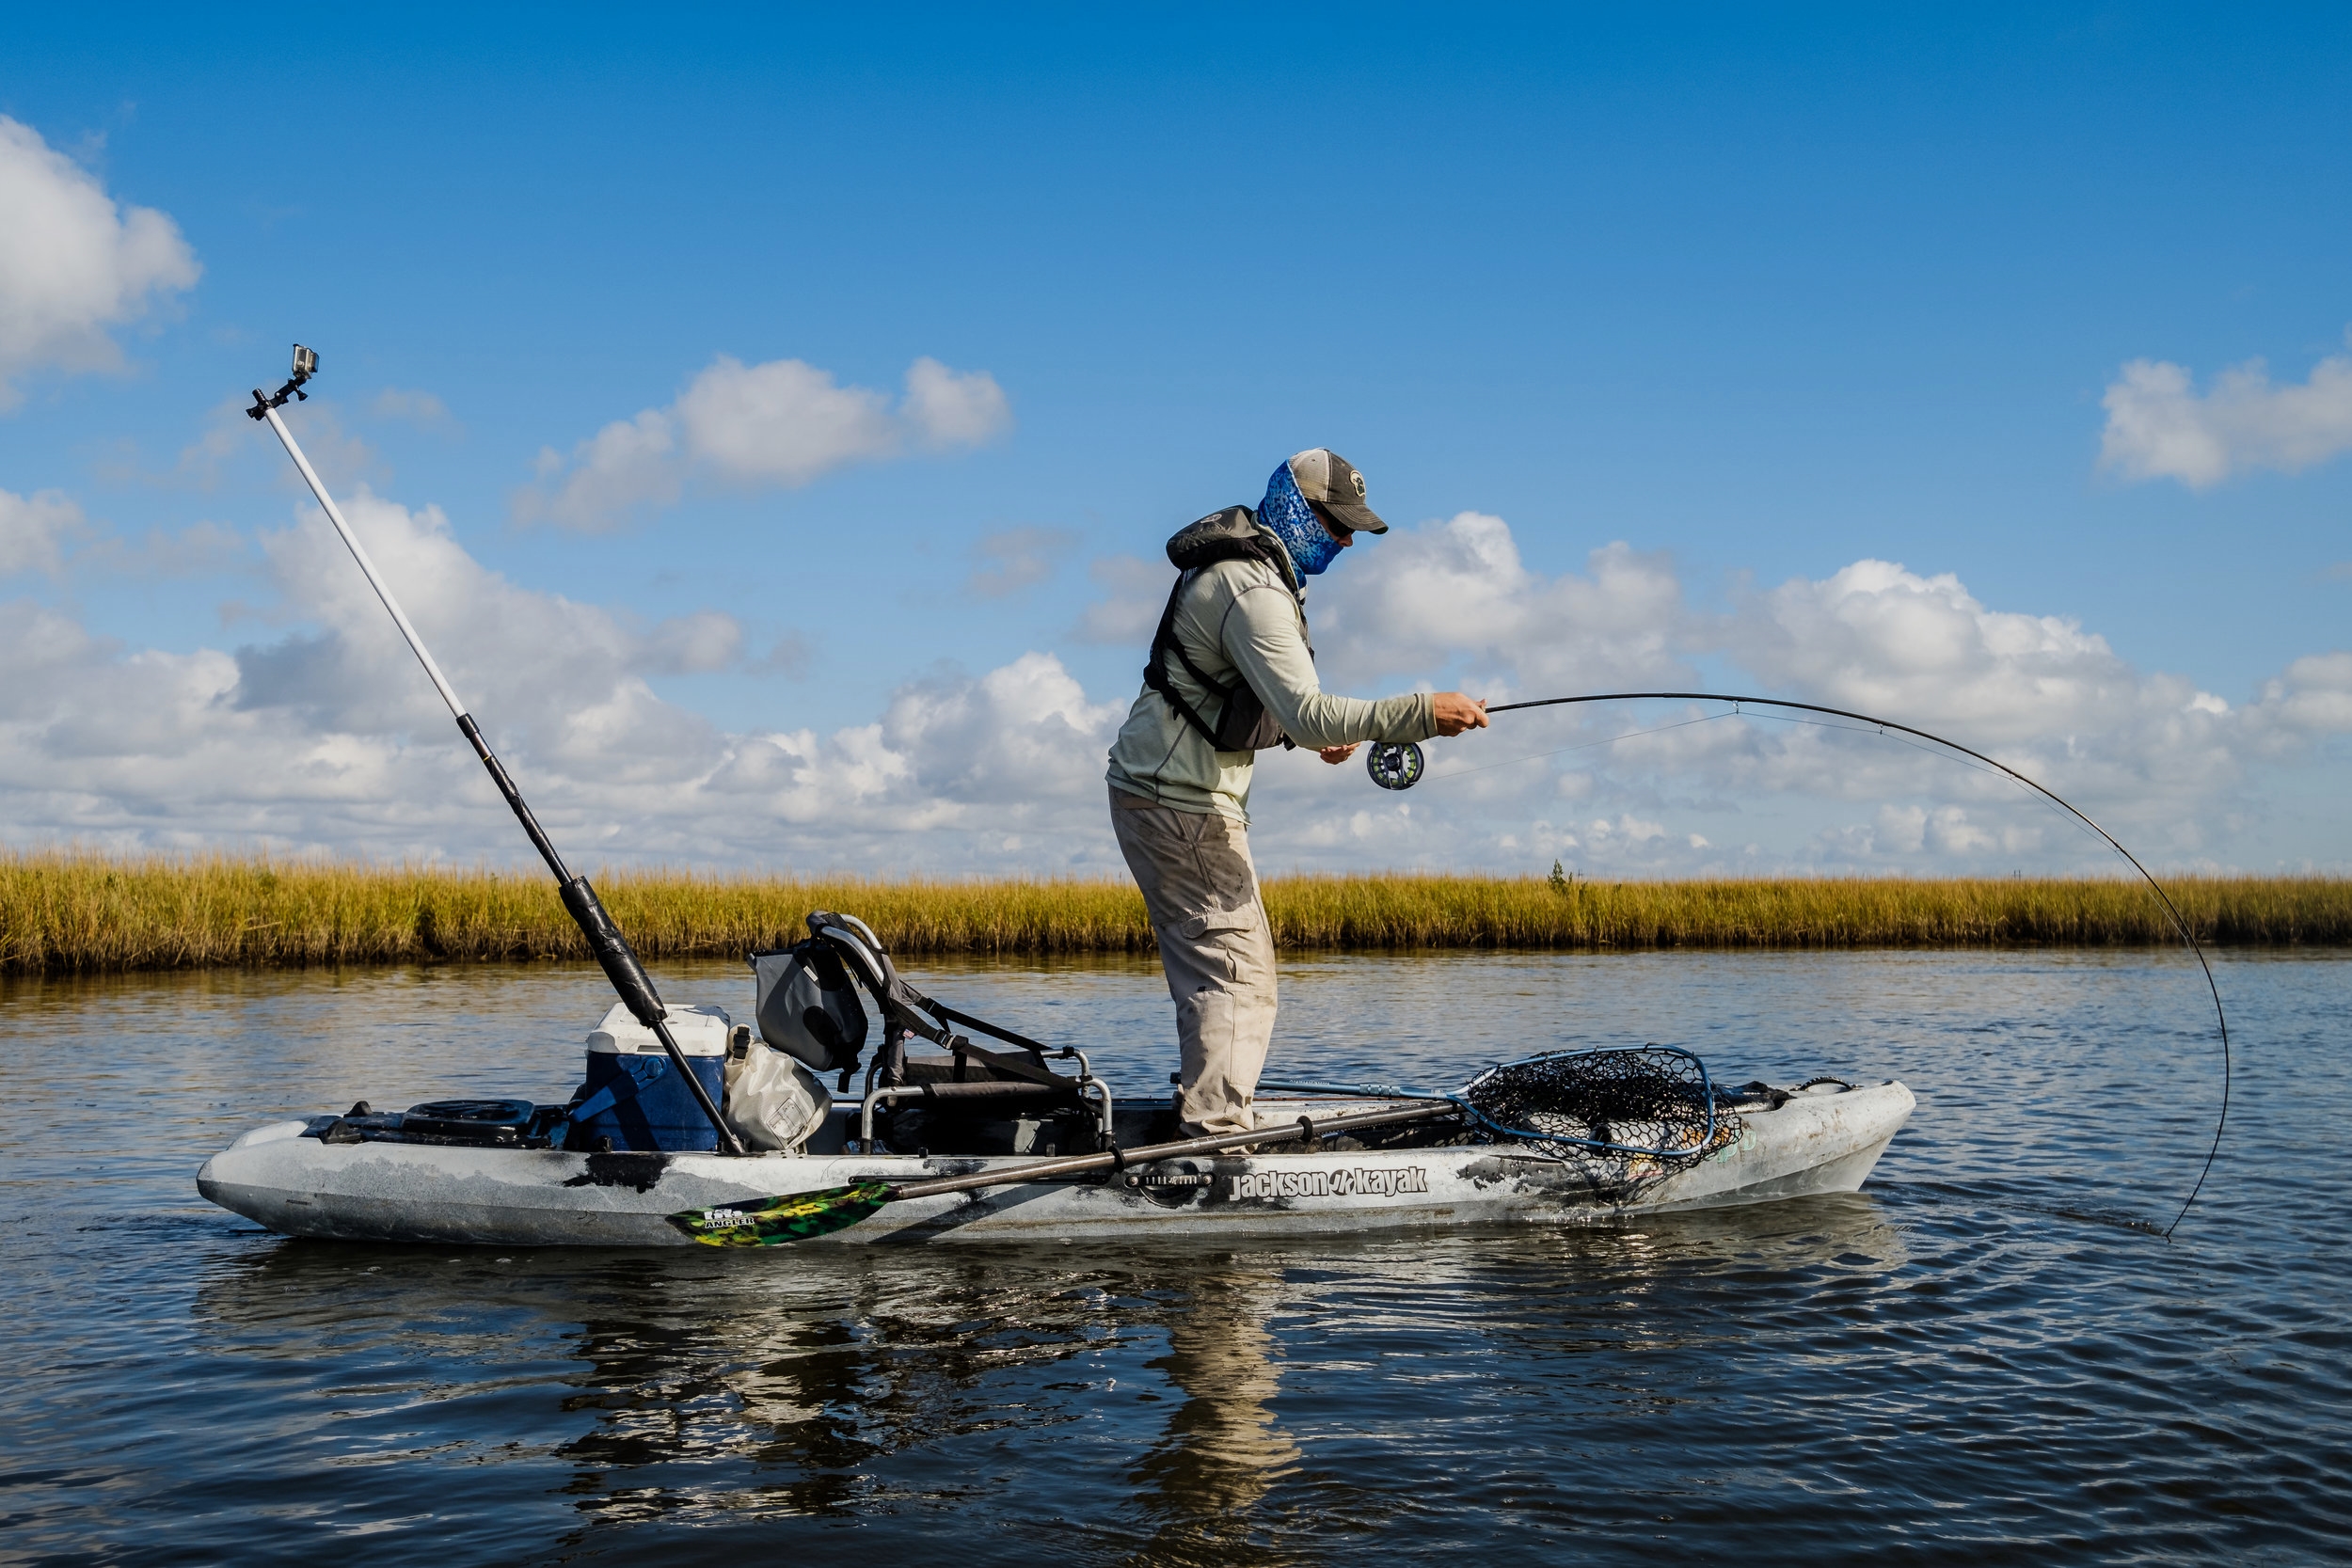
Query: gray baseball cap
[[1332, 484]]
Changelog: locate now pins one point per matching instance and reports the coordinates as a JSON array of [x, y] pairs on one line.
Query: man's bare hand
[[1457, 713], [1337, 755]]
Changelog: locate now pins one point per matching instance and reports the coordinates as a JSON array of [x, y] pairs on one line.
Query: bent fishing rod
[[611, 949], [1397, 765]]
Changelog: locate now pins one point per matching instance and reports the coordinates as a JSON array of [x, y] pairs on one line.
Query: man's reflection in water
[[1222, 1448]]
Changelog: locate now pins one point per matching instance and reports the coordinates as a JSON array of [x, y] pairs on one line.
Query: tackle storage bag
[[807, 1006], [634, 1097]]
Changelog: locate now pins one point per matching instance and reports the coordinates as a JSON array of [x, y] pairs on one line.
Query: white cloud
[[329, 737], [47, 534], [34, 531], [324, 736], [1876, 638], [2149, 754], [1661, 788], [2159, 427], [782, 423], [628, 466], [946, 408], [775, 425], [1416, 600], [2312, 698], [74, 262]]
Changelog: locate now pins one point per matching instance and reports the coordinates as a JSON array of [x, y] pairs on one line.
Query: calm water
[[1979, 1359]]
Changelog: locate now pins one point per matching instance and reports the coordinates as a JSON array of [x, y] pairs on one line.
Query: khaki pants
[[1202, 889]]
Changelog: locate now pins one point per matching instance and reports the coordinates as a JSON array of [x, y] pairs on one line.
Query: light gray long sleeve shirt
[[1239, 618]]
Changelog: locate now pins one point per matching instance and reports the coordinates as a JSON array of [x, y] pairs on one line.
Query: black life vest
[[1243, 723]]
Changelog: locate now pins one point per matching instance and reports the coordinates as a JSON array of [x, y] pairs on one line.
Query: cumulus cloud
[[2160, 427], [326, 736], [777, 425], [321, 734], [1424, 598], [2312, 698], [1881, 639], [945, 409], [47, 534], [74, 263], [1690, 788], [34, 531]]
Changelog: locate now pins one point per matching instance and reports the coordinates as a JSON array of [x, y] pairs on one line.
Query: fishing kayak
[[292, 1177]]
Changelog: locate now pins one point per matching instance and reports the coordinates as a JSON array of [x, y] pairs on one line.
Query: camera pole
[[611, 949]]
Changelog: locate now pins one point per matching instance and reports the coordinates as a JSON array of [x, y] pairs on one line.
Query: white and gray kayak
[[1824, 1138]]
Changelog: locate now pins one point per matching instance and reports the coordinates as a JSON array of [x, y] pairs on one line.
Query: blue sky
[[1758, 295]]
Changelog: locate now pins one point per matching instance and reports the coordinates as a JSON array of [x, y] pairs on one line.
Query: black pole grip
[[628, 977], [613, 953]]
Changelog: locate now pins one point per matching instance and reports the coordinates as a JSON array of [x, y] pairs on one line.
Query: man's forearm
[[1273, 657], [1323, 720]]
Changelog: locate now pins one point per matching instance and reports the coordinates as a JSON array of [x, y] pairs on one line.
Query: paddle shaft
[[1218, 1142], [613, 953]]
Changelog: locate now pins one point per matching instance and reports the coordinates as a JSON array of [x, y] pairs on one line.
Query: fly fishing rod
[[1397, 765], [611, 949]]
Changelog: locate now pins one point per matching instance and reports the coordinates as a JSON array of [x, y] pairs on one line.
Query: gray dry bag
[[808, 1008]]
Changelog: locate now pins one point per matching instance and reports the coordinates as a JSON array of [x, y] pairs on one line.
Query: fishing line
[[1386, 763]]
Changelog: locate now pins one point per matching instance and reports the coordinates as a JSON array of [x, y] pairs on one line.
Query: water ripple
[[1985, 1356]]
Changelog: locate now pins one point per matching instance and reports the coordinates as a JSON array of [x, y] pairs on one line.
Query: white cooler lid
[[699, 1031]]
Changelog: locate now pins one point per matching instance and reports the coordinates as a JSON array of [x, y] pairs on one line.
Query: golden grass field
[[62, 912]]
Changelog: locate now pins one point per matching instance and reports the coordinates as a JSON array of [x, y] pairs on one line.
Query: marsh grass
[[62, 910]]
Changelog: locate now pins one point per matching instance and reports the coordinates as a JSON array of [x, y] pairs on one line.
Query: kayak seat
[[975, 1064]]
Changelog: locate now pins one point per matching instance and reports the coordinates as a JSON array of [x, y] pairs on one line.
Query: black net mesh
[[1652, 1102]]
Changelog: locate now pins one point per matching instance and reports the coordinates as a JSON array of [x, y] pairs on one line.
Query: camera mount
[[305, 365]]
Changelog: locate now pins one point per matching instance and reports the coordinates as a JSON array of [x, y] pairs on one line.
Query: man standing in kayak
[[1230, 674]]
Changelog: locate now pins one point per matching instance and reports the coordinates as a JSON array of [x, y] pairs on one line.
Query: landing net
[[1654, 1102]]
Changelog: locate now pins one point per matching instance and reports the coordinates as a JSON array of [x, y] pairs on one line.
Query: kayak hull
[[1823, 1140]]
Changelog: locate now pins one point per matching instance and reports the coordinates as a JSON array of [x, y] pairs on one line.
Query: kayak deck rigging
[[972, 1142], [292, 1178]]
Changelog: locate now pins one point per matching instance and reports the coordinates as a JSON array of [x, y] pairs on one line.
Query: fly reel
[[1394, 764]]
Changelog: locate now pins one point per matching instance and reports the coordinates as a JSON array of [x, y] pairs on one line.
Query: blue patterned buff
[[1285, 511]]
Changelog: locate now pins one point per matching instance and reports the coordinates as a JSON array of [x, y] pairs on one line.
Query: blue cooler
[[634, 1096]]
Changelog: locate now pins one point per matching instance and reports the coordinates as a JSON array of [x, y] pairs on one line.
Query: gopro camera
[[306, 364]]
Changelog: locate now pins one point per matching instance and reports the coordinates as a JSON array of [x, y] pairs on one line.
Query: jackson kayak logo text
[[1363, 1182]]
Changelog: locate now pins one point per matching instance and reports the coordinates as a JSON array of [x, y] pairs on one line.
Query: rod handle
[[613, 952]]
